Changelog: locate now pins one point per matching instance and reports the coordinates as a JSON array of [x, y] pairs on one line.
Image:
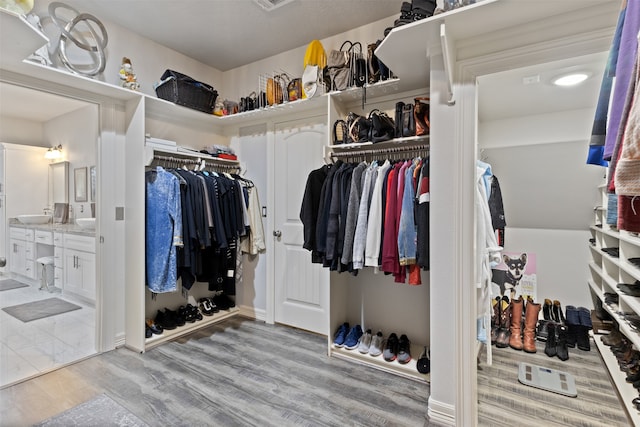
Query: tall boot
[[550, 346], [582, 337], [546, 309], [529, 342], [515, 340], [573, 324], [505, 322], [561, 345], [557, 309], [495, 319]]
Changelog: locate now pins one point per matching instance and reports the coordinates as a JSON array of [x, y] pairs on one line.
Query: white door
[[301, 288]]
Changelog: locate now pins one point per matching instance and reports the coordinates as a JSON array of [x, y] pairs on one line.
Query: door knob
[[277, 233]]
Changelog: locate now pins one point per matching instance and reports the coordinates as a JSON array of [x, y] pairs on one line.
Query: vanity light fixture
[[54, 153], [571, 79]]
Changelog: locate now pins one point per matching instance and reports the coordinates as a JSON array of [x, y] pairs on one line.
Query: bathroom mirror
[[80, 184], [58, 183]]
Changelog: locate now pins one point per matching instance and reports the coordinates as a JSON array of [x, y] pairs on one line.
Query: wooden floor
[[247, 373], [503, 401]]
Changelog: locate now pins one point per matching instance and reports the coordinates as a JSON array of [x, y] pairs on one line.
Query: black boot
[[561, 345], [573, 325], [582, 337], [546, 309], [550, 347], [557, 312]]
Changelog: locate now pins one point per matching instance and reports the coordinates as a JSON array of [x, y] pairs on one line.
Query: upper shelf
[[406, 49]]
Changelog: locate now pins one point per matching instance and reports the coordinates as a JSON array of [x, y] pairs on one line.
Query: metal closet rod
[[210, 163], [377, 151]]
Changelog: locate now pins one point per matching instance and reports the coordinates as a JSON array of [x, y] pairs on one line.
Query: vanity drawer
[[17, 233], [44, 237], [58, 256], [80, 243], [29, 250], [29, 234], [58, 238]]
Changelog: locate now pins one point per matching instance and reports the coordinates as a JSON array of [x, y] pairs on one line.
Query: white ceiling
[[504, 95], [226, 34], [22, 103]]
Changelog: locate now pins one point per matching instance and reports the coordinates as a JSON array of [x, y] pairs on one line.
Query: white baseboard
[[120, 340], [252, 312], [441, 413]]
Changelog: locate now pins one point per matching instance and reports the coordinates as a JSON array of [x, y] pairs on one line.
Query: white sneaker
[[365, 342], [375, 349]]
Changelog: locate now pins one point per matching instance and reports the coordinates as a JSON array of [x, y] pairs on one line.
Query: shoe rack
[[607, 268]]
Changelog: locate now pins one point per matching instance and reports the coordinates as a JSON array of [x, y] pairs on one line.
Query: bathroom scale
[[547, 379]]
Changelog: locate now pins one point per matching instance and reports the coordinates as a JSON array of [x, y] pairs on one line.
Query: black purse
[[382, 127], [358, 65], [358, 128], [408, 125]]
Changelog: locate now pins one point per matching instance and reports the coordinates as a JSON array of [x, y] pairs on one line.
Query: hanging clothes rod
[[421, 149], [212, 164]]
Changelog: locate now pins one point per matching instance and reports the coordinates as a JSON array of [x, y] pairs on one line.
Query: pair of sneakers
[[397, 349], [371, 344], [347, 338]]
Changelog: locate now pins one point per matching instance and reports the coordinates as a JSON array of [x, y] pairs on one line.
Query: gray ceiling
[[226, 34]]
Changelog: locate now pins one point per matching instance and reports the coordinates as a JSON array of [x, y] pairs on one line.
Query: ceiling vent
[[270, 5]]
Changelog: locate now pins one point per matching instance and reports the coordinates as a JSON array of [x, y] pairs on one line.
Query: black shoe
[[147, 332], [167, 322], [195, 313], [175, 317], [154, 327], [390, 352], [550, 348], [424, 362], [404, 350], [561, 345], [208, 307]]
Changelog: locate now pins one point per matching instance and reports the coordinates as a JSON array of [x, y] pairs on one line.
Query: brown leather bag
[[421, 115]]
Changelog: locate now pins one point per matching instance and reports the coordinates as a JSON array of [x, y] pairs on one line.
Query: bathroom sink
[[34, 219], [86, 223]]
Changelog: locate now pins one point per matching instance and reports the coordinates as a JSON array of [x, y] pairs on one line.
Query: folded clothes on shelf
[[614, 252]]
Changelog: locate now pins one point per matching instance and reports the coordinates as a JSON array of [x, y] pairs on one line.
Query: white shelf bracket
[[449, 60]]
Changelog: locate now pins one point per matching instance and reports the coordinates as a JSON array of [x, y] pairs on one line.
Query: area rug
[[99, 411], [8, 284], [40, 309]]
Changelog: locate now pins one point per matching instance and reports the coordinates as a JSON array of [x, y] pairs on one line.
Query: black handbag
[[358, 128], [382, 127], [408, 125], [398, 118], [358, 65]]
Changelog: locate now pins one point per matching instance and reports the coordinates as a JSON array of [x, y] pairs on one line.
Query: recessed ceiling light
[[570, 79]]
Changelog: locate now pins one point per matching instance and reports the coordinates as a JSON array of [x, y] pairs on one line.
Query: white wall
[[251, 147], [242, 81], [21, 131], [149, 59], [549, 193], [77, 132]]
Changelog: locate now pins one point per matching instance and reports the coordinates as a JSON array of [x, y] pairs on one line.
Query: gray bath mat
[[40, 309], [99, 411], [8, 284]]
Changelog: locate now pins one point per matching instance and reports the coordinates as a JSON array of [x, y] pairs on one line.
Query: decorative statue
[[127, 76]]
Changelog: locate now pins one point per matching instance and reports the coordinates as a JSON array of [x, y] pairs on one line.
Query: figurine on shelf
[[127, 76]]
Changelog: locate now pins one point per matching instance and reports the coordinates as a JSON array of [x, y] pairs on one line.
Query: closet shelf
[[408, 370], [150, 153], [190, 327], [396, 142], [626, 391]]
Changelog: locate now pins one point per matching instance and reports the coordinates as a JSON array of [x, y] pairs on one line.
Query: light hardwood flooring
[[247, 373]]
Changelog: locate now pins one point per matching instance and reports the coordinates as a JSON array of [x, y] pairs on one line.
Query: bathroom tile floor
[[32, 348]]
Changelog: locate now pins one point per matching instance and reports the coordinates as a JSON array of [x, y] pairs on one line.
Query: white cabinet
[[58, 259], [79, 266], [22, 252], [23, 171], [611, 250]]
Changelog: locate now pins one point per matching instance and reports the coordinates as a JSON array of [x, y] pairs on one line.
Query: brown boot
[[515, 340], [530, 321]]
